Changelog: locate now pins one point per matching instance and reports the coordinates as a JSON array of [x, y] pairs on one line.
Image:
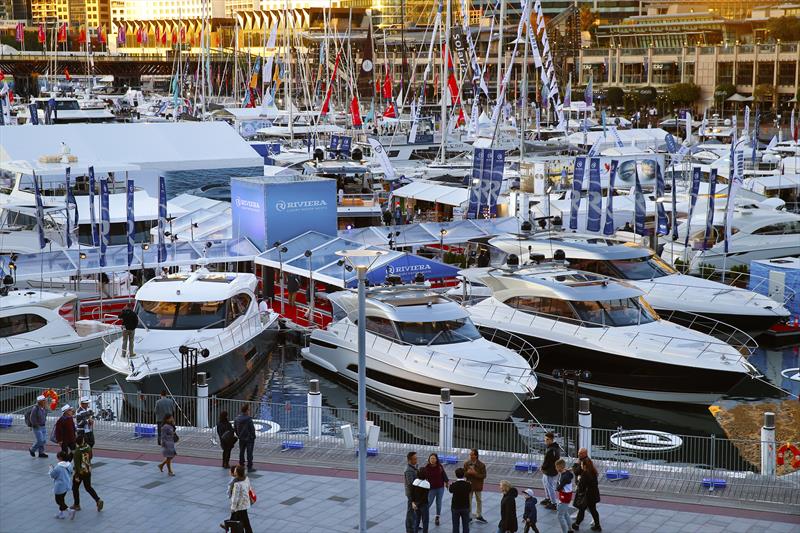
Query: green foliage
[[681, 266], [647, 95], [615, 96], [784, 28], [724, 91], [763, 93], [451, 258], [707, 270], [683, 93]]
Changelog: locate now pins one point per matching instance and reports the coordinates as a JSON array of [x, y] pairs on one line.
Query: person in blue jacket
[[529, 514], [62, 483]]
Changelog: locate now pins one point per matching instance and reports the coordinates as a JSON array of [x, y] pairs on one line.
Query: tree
[[784, 28], [647, 95], [587, 19], [683, 93], [723, 91], [763, 93], [615, 96]]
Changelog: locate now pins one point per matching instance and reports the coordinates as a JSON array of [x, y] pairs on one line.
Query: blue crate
[[292, 445], [525, 466], [715, 483], [449, 459], [371, 452], [145, 431], [617, 474], [6, 421]]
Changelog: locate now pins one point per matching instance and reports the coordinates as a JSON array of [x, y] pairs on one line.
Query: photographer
[[84, 419]]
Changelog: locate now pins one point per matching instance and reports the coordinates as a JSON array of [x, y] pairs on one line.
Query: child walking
[[62, 482]]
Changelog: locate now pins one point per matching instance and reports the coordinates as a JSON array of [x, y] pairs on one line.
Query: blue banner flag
[[162, 219], [129, 190], [692, 201], [674, 208], [334, 144], [595, 196], [475, 184], [92, 217], [345, 144], [71, 205], [486, 182], [661, 214], [577, 187], [37, 190], [34, 112], [712, 191], [755, 134], [639, 206], [608, 227], [588, 94], [105, 221], [495, 180], [672, 146]]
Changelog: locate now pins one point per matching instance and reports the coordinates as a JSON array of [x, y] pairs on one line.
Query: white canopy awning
[[431, 192]]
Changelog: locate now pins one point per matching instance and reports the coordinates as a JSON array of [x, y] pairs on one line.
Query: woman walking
[[508, 509], [587, 494], [240, 499], [168, 440], [227, 438], [437, 477]]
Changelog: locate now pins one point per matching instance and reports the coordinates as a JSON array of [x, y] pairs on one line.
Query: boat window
[[619, 312], [439, 332], [181, 315], [781, 228], [238, 306], [559, 309], [593, 265], [19, 324], [381, 326], [640, 268]]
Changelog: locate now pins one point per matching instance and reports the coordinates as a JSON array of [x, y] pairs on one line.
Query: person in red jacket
[[437, 477], [64, 431]]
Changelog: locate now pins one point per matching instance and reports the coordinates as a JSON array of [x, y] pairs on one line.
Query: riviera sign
[[304, 205]]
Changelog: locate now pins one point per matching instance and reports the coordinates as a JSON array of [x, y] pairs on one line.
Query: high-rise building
[[49, 11], [91, 13], [6, 10], [173, 9], [21, 9]]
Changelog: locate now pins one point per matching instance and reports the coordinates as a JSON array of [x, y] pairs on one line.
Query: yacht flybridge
[[419, 342], [36, 341], [669, 292], [215, 314], [579, 320]]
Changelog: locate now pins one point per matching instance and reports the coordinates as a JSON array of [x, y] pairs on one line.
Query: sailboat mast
[[524, 117], [288, 85], [443, 79], [500, 44]]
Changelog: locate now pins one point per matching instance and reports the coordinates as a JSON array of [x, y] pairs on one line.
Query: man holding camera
[[84, 418]]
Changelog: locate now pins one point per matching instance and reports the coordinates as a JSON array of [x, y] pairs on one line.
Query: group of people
[[564, 488], [73, 432]]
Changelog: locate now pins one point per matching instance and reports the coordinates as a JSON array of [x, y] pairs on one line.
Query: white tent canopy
[[432, 192], [164, 146]]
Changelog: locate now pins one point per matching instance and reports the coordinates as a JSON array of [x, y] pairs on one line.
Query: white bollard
[[202, 400], [584, 425], [347, 435], [84, 387], [314, 410], [768, 445], [445, 422]]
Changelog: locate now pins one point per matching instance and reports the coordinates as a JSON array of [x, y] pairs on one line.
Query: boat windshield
[[618, 313], [642, 268], [440, 332], [181, 315]]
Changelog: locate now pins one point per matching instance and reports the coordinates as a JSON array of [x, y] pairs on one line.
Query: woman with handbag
[[587, 494], [168, 440], [242, 497], [227, 438]]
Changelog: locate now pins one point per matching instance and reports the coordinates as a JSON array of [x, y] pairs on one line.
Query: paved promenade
[[138, 498]]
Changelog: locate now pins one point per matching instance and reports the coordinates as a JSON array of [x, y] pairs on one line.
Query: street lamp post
[[281, 250], [442, 233], [362, 260], [576, 376]]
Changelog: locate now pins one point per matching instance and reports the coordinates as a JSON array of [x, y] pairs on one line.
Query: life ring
[[789, 447], [53, 395]]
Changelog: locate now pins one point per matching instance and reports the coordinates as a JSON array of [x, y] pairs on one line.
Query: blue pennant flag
[[588, 94], [72, 207], [608, 227], [674, 208], [34, 112], [712, 191], [595, 196], [129, 190], [486, 182], [105, 221], [577, 187], [37, 190], [692, 201], [639, 206], [495, 179], [755, 134], [92, 216], [661, 214], [672, 146], [162, 219], [475, 185]]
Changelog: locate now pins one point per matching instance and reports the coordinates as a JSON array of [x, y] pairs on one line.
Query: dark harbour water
[[192, 181]]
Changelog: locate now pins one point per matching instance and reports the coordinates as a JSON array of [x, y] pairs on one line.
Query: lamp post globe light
[[362, 260]]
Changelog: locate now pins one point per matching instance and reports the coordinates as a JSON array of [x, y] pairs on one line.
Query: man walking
[[64, 432], [246, 431], [85, 421], [459, 504], [549, 472], [164, 407], [38, 421], [475, 472], [409, 475], [129, 321]]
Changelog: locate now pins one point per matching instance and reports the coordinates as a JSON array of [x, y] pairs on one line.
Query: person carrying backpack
[[36, 419], [64, 430], [564, 490], [82, 474]]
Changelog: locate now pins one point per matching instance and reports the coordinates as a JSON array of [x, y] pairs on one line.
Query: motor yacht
[[211, 314], [418, 342], [68, 110], [579, 320], [37, 340], [671, 293]]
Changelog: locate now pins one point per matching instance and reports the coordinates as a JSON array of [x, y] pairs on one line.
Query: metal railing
[[645, 461], [430, 358], [736, 279]]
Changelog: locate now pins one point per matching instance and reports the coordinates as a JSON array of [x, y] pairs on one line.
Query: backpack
[[55, 433], [28, 416]]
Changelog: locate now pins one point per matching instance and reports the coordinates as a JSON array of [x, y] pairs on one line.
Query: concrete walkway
[[138, 498]]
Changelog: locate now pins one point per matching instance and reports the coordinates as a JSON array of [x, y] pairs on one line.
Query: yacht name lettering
[[247, 204], [282, 205], [408, 268]]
